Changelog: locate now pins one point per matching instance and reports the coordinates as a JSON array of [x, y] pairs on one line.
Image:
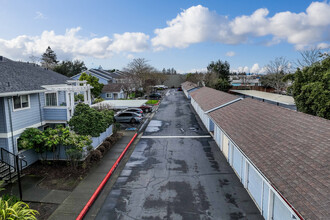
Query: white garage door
[[280, 211], [237, 162], [255, 185]]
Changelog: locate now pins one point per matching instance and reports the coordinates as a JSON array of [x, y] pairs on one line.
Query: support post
[[19, 177]]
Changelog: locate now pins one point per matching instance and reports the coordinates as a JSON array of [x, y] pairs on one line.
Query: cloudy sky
[[185, 35]]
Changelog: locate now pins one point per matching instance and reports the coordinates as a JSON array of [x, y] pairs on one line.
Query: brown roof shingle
[[209, 98], [290, 148], [188, 85], [112, 87]]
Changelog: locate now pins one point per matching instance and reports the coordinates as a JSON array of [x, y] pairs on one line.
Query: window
[[109, 95], [51, 99], [21, 102]]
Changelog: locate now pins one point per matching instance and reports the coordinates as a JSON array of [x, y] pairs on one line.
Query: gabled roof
[[104, 74], [112, 87], [19, 76], [208, 98], [290, 148], [188, 85]]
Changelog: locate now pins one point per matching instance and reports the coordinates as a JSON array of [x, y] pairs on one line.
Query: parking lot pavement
[[171, 177]]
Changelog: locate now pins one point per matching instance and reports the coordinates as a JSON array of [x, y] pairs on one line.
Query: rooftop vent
[[1, 58]]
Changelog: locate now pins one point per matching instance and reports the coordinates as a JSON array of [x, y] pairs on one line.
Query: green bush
[[88, 121], [97, 100], [32, 138], [79, 97]]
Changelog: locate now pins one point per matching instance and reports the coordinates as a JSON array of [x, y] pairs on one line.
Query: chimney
[[1, 58]]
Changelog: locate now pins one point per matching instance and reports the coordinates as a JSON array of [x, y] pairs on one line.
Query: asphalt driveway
[[171, 177]]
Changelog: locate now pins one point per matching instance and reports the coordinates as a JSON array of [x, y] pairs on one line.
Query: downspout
[[11, 125], [40, 109]]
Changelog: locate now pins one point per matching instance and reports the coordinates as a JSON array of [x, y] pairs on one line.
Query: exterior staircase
[[10, 165]]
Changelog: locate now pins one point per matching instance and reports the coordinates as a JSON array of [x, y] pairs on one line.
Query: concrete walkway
[[77, 199]]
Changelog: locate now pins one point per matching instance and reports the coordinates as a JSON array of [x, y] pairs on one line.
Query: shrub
[[32, 138], [79, 98], [18, 210], [107, 145], [101, 149], [97, 100], [108, 116], [95, 155], [88, 121]]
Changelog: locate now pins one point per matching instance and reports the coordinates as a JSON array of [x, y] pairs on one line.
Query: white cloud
[[255, 68], [72, 45], [39, 15], [130, 56], [194, 25], [133, 42], [198, 24], [230, 54]]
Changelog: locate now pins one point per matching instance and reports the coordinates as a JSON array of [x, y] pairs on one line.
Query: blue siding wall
[[55, 114], [3, 128], [26, 117], [104, 96], [4, 143], [101, 80]]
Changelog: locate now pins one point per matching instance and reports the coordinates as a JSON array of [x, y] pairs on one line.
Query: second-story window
[[51, 99], [21, 102]]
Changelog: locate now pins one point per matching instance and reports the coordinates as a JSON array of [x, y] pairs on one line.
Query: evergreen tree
[[49, 58]]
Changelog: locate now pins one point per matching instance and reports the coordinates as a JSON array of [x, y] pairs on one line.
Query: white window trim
[[56, 99], [20, 109], [107, 95]]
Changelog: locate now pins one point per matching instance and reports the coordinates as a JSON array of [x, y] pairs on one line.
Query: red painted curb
[[104, 181]]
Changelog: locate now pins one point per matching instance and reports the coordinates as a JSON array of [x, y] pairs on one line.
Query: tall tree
[[93, 81], [217, 75], [141, 73], [311, 89], [308, 57], [275, 72], [49, 58], [220, 68], [70, 68]]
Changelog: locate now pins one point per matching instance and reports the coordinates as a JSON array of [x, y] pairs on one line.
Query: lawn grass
[[151, 102]]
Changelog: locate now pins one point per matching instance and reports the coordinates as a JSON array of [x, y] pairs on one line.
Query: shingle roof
[[188, 85], [209, 98], [112, 87], [290, 148], [19, 76]]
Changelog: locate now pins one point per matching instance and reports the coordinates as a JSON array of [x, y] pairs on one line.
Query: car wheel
[[133, 120]]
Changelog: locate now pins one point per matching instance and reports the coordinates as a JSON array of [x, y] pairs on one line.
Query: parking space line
[[153, 137]]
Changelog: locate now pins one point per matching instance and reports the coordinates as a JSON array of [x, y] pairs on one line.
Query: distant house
[[281, 156], [104, 77], [113, 91], [32, 96], [188, 87]]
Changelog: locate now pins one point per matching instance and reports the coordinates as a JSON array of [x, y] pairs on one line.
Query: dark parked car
[[146, 108], [155, 96], [131, 117], [136, 110]]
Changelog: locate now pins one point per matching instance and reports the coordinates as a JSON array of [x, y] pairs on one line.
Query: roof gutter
[[20, 93], [224, 105]]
